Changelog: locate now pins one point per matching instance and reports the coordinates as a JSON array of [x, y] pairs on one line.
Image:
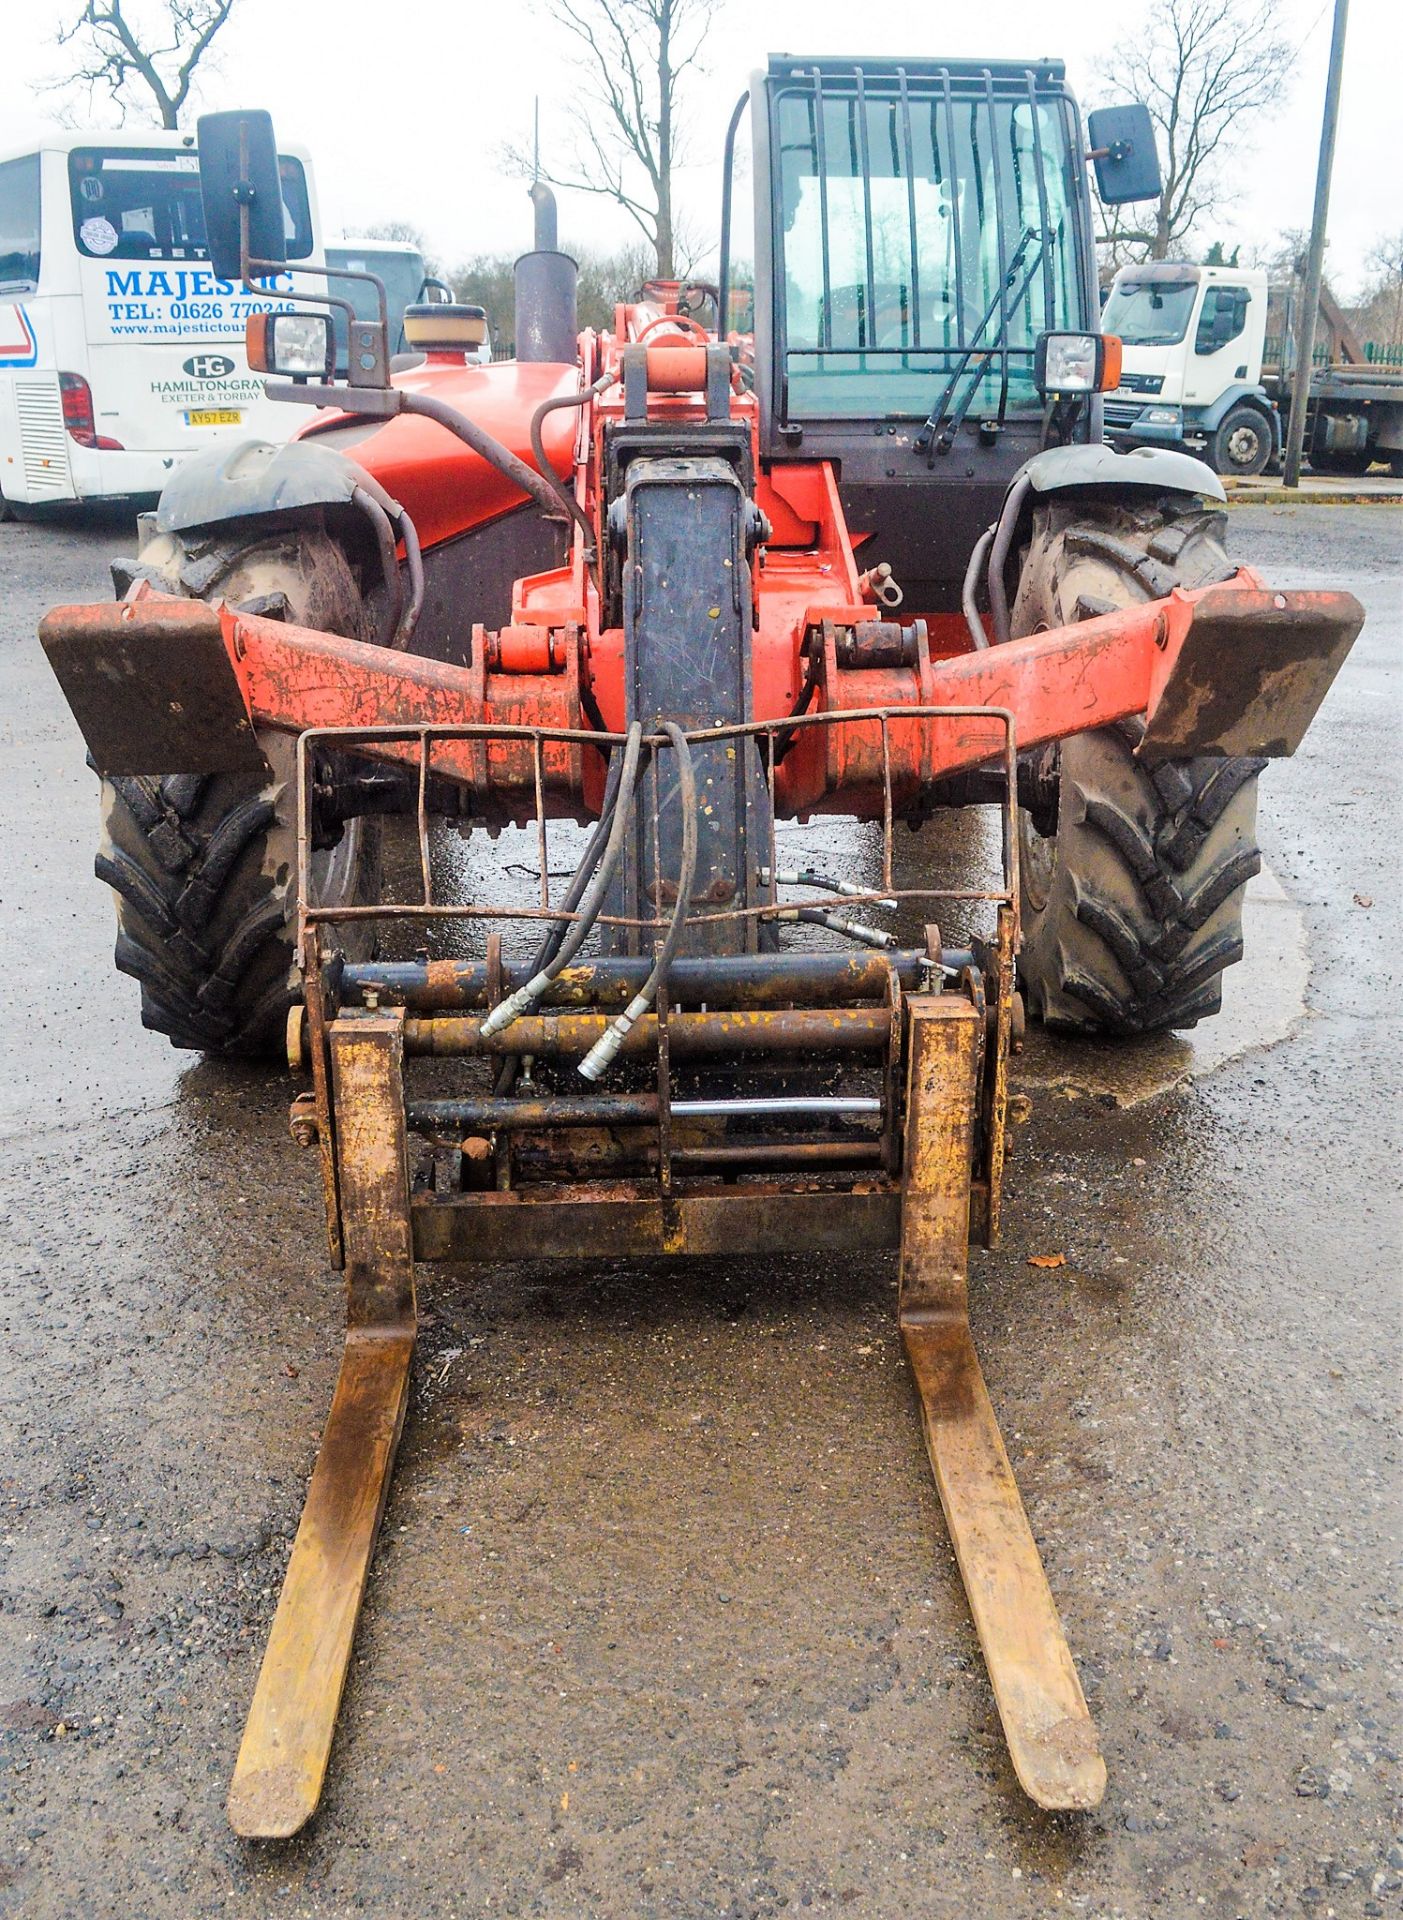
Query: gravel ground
[[664, 1621]]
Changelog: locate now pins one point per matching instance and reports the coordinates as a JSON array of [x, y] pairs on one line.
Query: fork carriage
[[710, 1148]]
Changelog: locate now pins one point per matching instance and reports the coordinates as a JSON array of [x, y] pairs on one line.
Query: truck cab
[[1191, 368]]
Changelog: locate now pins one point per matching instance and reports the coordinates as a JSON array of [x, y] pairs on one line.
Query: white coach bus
[[119, 349]]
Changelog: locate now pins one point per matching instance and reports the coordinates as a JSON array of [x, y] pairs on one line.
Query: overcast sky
[[404, 109]]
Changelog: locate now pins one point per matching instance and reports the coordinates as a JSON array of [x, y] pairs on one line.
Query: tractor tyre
[[203, 867], [1132, 877]]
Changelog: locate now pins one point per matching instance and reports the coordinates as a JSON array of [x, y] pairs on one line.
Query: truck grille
[[43, 439], [1121, 413], [1142, 383]]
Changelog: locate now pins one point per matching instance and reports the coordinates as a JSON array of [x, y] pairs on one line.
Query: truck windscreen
[[901, 210], [1149, 313], [133, 203]]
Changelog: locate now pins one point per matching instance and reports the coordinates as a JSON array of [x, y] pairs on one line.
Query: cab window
[[915, 224], [1222, 319], [1149, 313]]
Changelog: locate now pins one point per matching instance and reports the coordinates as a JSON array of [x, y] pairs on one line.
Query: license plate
[[213, 417]]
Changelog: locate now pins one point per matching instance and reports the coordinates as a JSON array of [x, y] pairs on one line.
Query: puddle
[[1263, 998]]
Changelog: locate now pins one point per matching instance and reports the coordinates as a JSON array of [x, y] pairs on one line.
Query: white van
[[119, 349]]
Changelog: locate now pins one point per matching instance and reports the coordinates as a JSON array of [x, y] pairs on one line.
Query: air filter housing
[[444, 328]]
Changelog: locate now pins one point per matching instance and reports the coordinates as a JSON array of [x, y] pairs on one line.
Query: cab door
[[1218, 355]]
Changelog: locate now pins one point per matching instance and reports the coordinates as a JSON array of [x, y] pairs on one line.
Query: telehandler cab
[[858, 551]]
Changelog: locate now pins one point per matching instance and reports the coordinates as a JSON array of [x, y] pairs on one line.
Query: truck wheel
[[203, 868], [1242, 444], [1132, 878]]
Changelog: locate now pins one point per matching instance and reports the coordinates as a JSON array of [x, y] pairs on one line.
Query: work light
[[296, 345], [1068, 363]]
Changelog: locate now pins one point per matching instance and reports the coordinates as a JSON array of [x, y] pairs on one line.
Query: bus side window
[[19, 224]]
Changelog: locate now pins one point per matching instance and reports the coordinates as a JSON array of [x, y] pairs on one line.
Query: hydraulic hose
[[381, 510], [998, 557], [538, 449], [969, 596], [597, 1061], [389, 564], [414, 566], [550, 945], [591, 902]]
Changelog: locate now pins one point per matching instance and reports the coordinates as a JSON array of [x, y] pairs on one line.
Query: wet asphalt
[[664, 1620]]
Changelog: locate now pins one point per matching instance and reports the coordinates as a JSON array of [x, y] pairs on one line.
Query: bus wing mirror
[[1123, 153], [241, 192]]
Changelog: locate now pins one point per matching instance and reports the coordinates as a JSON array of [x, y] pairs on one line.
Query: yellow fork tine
[[1049, 1731], [287, 1739]]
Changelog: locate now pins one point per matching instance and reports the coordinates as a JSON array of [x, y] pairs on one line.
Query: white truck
[[1193, 340], [120, 351]]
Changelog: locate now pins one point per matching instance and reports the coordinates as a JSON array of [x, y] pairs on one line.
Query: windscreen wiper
[[938, 433]]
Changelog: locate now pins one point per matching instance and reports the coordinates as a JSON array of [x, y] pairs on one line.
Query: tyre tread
[[1145, 909]]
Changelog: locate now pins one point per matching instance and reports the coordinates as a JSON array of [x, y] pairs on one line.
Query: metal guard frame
[[378, 739]]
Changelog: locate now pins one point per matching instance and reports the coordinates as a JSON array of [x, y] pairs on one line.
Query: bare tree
[[627, 118], [155, 53], [1203, 68], [1379, 315]]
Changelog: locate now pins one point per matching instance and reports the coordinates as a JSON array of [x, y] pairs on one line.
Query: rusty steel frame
[[424, 737], [452, 1036]]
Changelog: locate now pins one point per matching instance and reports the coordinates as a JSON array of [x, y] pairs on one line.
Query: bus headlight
[[1068, 363], [296, 345]]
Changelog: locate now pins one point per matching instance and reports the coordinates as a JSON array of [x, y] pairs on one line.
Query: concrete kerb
[[1315, 491]]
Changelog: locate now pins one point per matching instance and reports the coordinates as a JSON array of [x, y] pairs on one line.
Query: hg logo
[[208, 366]]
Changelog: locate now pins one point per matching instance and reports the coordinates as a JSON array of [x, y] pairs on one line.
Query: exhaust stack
[[546, 322]]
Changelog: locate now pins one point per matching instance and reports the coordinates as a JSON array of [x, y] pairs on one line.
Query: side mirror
[[241, 192], [1123, 153]]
